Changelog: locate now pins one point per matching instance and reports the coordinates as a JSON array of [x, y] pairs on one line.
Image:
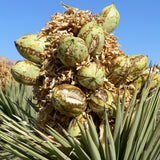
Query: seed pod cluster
[[78, 65]]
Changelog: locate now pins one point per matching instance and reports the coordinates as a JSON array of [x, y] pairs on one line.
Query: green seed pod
[[139, 63], [73, 128], [102, 98], [69, 100], [31, 47], [25, 72], [158, 66], [72, 50], [93, 35], [154, 80], [119, 70], [141, 80], [91, 76], [111, 16]]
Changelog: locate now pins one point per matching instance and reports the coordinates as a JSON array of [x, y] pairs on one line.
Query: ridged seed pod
[[119, 70], [102, 98], [25, 72], [92, 33], [72, 50], [69, 100], [91, 76], [139, 63], [111, 16], [31, 47]]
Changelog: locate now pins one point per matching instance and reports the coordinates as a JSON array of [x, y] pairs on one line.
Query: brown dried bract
[[5, 74]]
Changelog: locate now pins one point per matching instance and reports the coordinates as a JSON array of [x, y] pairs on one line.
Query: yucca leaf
[[117, 129], [74, 151], [56, 135], [127, 122], [32, 137], [123, 106], [57, 152], [139, 151], [144, 140], [155, 154], [129, 111], [59, 138], [13, 101], [4, 102], [95, 137], [109, 142], [32, 104], [81, 154], [83, 133], [94, 152], [93, 132], [134, 127], [158, 156], [31, 145], [148, 123], [151, 142], [28, 152], [15, 152]]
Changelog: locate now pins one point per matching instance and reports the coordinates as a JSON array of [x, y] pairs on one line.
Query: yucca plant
[[79, 76], [13, 101], [135, 136]]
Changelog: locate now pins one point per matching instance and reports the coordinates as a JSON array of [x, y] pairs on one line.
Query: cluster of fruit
[[76, 66]]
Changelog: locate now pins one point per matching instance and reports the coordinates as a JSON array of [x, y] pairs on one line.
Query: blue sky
[[138, 30]]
